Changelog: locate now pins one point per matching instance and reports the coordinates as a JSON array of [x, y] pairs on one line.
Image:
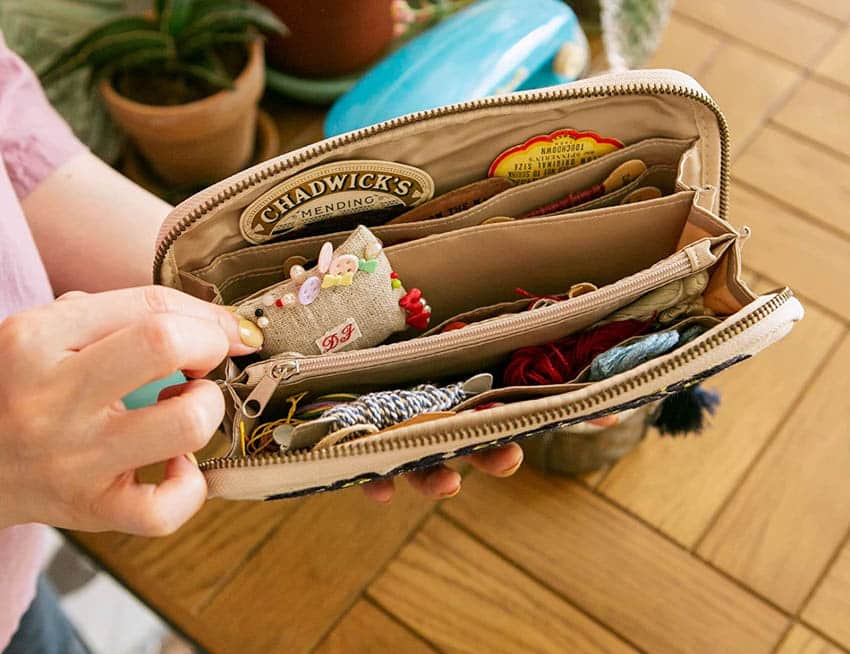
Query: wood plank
[[786, 520], [365, 629], [818, 112], [829, 608], [836, 64], [679, 484], [594, 478], [685, 46], [813, 261], [192, 564], [632, 579], [467, 599], [303, 578], [801, 640], [838, 9], [97, 545], [298, 124], [799, 173], [765, 79], [178, 574], [759, 283], [766, 24]]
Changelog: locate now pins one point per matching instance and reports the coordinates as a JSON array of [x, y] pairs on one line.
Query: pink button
[[344, 263], [309, 290], [325, 256]]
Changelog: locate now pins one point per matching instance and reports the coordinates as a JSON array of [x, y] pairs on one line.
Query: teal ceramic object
[[491, 47], [147, 394]]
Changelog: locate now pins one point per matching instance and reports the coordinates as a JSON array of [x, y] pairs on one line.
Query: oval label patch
[[336, 189], [548, 154]]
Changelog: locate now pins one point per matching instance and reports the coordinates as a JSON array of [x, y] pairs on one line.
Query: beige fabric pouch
[[469, 265], [342, 307]]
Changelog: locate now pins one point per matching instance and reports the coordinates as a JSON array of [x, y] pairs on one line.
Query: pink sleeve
[[34, 140]]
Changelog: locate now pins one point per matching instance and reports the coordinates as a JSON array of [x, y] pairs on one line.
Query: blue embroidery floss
[[625, 357], [630, 355], [681, 413]]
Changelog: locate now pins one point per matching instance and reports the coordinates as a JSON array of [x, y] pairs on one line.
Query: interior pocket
[[504, 394], [701, 323], [455, 355], [484, 265], [480, 314], [226, 271], [321, 433], [661, 177]]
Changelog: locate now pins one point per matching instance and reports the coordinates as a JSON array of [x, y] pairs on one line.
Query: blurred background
[[735, 540]]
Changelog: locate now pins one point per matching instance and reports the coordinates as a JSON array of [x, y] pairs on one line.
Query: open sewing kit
[[462, 277]]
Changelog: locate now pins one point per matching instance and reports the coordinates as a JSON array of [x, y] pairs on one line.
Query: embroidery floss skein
[[668, 302], [386, 408], [630, 355], [560, 361], [625, 357]]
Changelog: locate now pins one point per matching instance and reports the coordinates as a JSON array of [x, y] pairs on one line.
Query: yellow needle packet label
[[548, 154]]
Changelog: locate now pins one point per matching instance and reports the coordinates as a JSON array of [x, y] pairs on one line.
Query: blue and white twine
[[386, 408]]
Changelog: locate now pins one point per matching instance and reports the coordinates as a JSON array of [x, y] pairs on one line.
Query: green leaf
[[234, 18], [195, 44], [139, 59], [175, 15], [213, 79], [99, 52], [109, 28]]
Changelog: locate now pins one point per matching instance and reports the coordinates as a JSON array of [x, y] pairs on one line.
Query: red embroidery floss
[[570, 200], [562, 360]]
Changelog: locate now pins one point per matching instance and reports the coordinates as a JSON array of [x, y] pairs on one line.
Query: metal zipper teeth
[[642, 88], [523, 423], [316, 364]]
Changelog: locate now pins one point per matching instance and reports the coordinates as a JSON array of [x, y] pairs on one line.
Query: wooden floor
[[734, 541]]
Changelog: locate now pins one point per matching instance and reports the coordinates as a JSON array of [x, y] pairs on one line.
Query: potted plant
[[183, 81]]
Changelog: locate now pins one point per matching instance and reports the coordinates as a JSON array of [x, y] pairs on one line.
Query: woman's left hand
[[441, 482]]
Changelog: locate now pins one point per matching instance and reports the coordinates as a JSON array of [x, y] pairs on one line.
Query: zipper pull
[[257, 400], [707, 251]]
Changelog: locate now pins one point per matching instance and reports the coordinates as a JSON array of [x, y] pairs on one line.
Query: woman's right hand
[[69, 448]]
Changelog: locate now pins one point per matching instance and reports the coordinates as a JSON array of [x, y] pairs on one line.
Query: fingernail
[[446, 496], [250, 333], [230, 308], [191, 458], [507, 472]]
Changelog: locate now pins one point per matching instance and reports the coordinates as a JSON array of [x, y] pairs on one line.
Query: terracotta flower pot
[[328, 38], [197, 142]]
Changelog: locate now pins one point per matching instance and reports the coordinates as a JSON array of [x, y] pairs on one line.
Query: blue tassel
[[685, 412]]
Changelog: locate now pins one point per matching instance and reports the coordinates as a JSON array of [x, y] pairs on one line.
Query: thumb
[[160, 509]]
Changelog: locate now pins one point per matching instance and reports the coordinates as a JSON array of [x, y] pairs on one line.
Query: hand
[[440, 482], [68, 446]]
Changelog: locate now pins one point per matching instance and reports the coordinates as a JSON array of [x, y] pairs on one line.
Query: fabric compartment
[[244, 271], [451, 355], [479, 266], [321, 429]]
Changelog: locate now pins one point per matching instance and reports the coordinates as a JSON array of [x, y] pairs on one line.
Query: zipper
[[691, 259], [278, 373], [526, 423], [524, 98]]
